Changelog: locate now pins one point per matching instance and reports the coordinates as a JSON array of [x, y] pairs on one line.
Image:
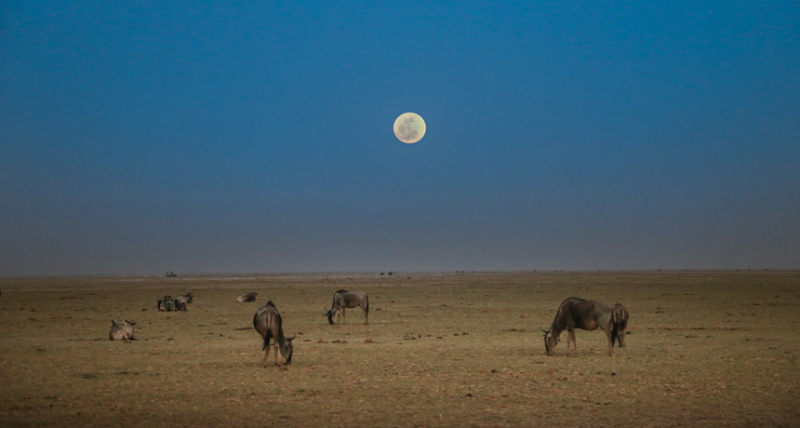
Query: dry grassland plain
[[706, 349]]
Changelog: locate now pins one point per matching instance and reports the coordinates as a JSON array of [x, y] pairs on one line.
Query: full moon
[[409, 128]]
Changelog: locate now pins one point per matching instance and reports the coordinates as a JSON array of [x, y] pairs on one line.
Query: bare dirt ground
[[706, 349]]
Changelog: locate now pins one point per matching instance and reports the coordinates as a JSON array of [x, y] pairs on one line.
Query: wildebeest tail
[[614, 328], [616, 336], [267, 337]]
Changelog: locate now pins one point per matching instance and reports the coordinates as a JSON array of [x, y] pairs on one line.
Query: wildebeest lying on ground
[[344, 299], [166, 304], [268, 323], [186, 298], [584, 314], [249, 297], [621, 317], [180, 305], [121, 330]]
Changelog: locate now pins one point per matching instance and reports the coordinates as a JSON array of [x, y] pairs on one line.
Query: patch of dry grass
[[706, 349]]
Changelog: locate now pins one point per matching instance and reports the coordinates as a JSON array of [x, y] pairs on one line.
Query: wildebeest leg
[[266, 354], [366, 313], [571, 338], [610, 342], [277, 355], [344, 318]]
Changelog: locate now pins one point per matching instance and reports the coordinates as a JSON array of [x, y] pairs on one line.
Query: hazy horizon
[[222, 137], [358, 275]]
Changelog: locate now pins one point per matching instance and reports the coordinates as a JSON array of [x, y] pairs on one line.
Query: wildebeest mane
[[560, 308]]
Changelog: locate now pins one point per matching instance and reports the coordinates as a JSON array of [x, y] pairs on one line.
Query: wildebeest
[[180, 305], [268, 323], [344, 299], [121, 330], [249, 297], [620, 324], [186, 298], [584, 314], [166, 304]]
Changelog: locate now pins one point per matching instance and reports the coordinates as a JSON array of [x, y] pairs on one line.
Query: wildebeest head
[[288, 359], [330, 314], [550, 341]]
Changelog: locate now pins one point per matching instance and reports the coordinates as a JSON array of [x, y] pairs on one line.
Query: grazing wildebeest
[[344, 299], [620, 324], [166, 304], [186, 298], [268, 323], [249, 297], [584, 314], [121, 330]]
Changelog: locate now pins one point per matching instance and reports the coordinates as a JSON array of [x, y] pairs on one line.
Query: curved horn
[[291, 338]]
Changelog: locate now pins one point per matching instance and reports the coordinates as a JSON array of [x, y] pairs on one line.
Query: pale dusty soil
[[705, 349]]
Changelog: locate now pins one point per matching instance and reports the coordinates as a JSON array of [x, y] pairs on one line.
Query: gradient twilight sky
[[221, 137]]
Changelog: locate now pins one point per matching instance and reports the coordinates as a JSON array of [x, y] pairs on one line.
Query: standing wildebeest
[[267, 322], [249, 297], [121, 330], [344, 299], [620, 324], [166, 304], [186, 298], [584, 314]]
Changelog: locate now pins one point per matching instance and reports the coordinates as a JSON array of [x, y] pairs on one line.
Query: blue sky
[[219, 137]]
